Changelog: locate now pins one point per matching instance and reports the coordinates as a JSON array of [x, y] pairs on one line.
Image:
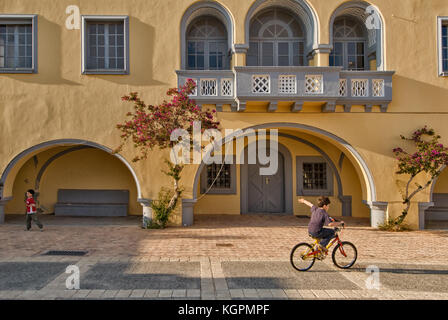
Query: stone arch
[[201, 8]]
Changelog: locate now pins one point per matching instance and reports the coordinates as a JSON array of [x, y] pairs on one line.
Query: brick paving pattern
[[220, 257]]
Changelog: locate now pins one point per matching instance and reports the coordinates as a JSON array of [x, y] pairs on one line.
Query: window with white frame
[[105, 44], [443, 45], [18, 47]]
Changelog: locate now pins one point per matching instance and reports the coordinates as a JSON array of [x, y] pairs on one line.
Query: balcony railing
[[330, 85], [212, 87]]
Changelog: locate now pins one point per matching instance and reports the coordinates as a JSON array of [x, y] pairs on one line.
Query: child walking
[[31, 211]]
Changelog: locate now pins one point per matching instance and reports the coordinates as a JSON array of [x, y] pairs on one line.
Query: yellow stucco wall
[[59, 102]]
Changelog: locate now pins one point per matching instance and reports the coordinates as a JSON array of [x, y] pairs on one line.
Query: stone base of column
[[147, 212], [378, 212], [187, 212]]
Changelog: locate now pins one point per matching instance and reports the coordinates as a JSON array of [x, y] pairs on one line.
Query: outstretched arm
[[309, 204]]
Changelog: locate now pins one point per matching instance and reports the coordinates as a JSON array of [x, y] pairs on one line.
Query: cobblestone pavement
[[220, 257]]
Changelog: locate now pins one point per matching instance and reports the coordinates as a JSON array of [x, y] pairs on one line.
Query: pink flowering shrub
[[429, 157], [150, 127]]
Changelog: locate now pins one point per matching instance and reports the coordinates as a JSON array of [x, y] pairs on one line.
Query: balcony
[[330, 85], [212, 87]]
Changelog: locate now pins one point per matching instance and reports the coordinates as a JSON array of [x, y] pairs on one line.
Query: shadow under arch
[[367, 181], [26, 154]]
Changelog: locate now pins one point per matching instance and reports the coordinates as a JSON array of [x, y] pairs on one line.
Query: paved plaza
[[219, 257]]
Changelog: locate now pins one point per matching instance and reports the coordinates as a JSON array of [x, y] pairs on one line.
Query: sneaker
[[41, 229]]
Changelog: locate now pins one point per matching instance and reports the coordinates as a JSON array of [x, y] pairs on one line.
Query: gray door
[[266, 193]]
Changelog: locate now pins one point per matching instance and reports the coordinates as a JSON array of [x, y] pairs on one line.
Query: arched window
[[349, 44], [207, 47], [276, 39]]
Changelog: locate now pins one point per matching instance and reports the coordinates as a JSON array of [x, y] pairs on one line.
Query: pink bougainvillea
[[429, 157]]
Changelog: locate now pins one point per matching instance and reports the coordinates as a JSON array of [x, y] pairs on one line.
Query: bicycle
[[344, 254]]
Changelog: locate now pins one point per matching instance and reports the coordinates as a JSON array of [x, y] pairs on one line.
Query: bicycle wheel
[[300, 257], [344, 256]]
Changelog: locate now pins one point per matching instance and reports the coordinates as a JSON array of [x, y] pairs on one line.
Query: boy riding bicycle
[[319, 219]]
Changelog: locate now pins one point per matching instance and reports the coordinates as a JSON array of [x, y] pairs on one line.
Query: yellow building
[[339, 81]]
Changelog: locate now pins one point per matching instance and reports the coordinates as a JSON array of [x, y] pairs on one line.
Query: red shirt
[[30, 206]]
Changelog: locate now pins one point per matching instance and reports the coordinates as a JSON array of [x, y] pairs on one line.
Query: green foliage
[[161, 208], [394, 225]]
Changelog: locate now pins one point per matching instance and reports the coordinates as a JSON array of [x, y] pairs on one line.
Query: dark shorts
[[325, 234]]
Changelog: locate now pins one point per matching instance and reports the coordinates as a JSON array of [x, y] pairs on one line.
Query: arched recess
[[9, 174], [204, 8], [370, 16], [361, 167], [300, 8]]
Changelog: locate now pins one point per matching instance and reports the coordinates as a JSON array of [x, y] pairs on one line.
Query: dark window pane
[[444, 30], [360, 48], [29, 62], [283, 48], [213, 62], [191, 47], [252, 54], [120, 63], [351, 48], [100, 52], [360, 61], [92, 39], [120, 52], [283, 61], [120, 40], [112, 52], [200, 62], [191, 62], [267, 54], [101, 64]]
